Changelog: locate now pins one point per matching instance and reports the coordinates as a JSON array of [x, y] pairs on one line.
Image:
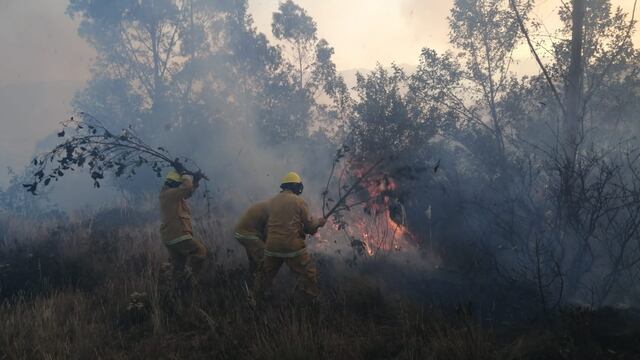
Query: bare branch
[[89, 144], [599, 79], [535, 55]]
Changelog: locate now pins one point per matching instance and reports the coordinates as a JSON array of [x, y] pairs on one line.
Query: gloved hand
[[197, 176], [179, 168]]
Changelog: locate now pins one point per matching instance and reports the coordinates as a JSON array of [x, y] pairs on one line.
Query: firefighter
[[176, 230], [250, 232], [288, 223]]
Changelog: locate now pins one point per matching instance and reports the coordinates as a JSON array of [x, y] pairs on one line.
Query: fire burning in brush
[[379, 224], [382, 225]]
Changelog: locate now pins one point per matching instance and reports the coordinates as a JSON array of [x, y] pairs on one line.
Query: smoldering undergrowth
[[377, 308]]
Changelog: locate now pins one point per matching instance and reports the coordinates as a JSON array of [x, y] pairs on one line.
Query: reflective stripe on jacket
[[253, 222], [286, 255], [178, 239], [239, 237]]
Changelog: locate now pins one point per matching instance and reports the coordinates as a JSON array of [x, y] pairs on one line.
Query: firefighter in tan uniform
[[288, 224], [251, 233], [176, 230]]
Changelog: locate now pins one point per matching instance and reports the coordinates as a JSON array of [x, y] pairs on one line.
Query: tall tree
[[292, 24], [385, 122], [594, 55], [136, 40], [312, 65], [574, 91], [486, 33]]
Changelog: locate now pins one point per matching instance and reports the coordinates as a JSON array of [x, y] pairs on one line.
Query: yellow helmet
[[292, 178], [174, 176]]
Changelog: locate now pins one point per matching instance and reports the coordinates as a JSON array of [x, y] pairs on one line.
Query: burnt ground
[[95, 292]]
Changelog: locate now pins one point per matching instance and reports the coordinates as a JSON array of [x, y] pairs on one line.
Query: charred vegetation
[[474, 213]]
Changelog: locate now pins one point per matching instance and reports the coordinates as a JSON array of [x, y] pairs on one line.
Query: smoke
[[480, 213], [44, 62], [244, 171], [427, 22], [49, 63]]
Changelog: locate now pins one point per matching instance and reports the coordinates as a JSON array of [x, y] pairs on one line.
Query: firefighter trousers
[[301, 265], [254, 248], [190, 252]]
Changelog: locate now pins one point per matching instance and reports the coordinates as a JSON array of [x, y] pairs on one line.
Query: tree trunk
[[154, 37], [571, 138], [573, 118], [300, 69], [574, 80], [156, 68]]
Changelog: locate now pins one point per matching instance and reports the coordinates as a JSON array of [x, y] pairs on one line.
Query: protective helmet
[[174, 176], [292, 178]]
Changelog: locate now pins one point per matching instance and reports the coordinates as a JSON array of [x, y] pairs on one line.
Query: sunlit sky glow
[[45, 58], [44, 46], [364, 32]]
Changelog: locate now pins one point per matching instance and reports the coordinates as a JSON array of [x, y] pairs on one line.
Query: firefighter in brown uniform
[[176, 230], [289, 222], [251, 234]]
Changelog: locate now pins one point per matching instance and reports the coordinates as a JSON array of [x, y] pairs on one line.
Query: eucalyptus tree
[[485, 33], [312, 66], [141, 46], [588, 158]]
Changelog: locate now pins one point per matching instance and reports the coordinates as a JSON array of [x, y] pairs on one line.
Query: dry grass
[[73, 305]]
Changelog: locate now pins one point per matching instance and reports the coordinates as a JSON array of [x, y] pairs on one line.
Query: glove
[[179, 168], [197, 177]]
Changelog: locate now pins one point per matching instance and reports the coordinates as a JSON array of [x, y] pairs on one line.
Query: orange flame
[[374, 230], [378, 231]]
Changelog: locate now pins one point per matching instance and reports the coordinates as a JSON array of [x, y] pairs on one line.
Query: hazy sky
[[366, 31], [44, 61], [41, 42]]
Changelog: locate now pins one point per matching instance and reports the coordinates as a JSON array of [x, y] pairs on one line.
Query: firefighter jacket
[[289, 222], [252, 224], [175, 213]]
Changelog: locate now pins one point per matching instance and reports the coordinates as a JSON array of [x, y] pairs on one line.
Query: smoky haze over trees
[[532, 182]]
